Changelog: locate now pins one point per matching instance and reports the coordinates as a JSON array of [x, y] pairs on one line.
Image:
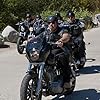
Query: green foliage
[[11, 11], [46, 13], [82, 13]]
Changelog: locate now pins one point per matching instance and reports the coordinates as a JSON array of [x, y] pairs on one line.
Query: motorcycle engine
[[56, 85]]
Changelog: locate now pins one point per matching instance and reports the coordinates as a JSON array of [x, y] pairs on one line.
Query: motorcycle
[[43, 77], [77, 44], [24, 34]]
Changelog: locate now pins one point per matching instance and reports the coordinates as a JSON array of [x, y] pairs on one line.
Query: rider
[[38, 20], [38, 17], [61, 37], [59, 17], [76, 29], [38, 24], [29, 20]]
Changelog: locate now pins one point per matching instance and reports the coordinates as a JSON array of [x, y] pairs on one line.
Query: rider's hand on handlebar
[[59, 44]]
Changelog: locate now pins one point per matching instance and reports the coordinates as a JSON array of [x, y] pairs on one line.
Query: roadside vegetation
[[12, 11]]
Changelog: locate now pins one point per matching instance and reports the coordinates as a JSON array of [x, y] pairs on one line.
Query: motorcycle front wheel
[[20, 48], [28, 89], [69, 91], [82, 63]]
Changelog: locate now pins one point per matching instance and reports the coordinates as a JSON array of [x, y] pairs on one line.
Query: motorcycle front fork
[[40, 75]]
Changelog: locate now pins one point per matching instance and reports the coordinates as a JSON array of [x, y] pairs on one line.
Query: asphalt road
[[13, 67]]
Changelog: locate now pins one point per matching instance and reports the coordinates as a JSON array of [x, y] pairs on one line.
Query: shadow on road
[[88, 94], [90, 59], [4, 46], [90, 69]]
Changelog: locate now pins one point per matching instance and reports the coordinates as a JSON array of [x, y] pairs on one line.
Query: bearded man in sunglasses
[[61, 37]]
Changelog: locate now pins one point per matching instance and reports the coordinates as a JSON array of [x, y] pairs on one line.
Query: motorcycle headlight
[[22, 29], [34, 55], [31, 29]]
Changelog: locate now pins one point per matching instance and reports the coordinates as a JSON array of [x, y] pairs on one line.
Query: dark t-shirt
[[75, 29], [55, 36]]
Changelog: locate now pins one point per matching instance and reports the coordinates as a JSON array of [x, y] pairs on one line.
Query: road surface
[[13, 67]]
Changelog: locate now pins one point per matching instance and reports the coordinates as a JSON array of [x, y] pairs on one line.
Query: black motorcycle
[[43, 76], [78, 45], [24, 33]]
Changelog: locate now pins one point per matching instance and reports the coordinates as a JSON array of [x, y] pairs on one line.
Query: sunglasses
[[51, 22], [70, 16]]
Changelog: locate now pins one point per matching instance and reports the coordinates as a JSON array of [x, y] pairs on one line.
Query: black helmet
[[28, 15], [38, 16], [57, 14], [52, 19], [70, 13]]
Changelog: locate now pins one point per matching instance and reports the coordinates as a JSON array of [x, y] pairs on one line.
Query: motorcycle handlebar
[[52, 43], [55, 44]]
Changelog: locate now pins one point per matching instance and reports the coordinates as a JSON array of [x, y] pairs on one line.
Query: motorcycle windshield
[[37, 49], [35, 44]]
